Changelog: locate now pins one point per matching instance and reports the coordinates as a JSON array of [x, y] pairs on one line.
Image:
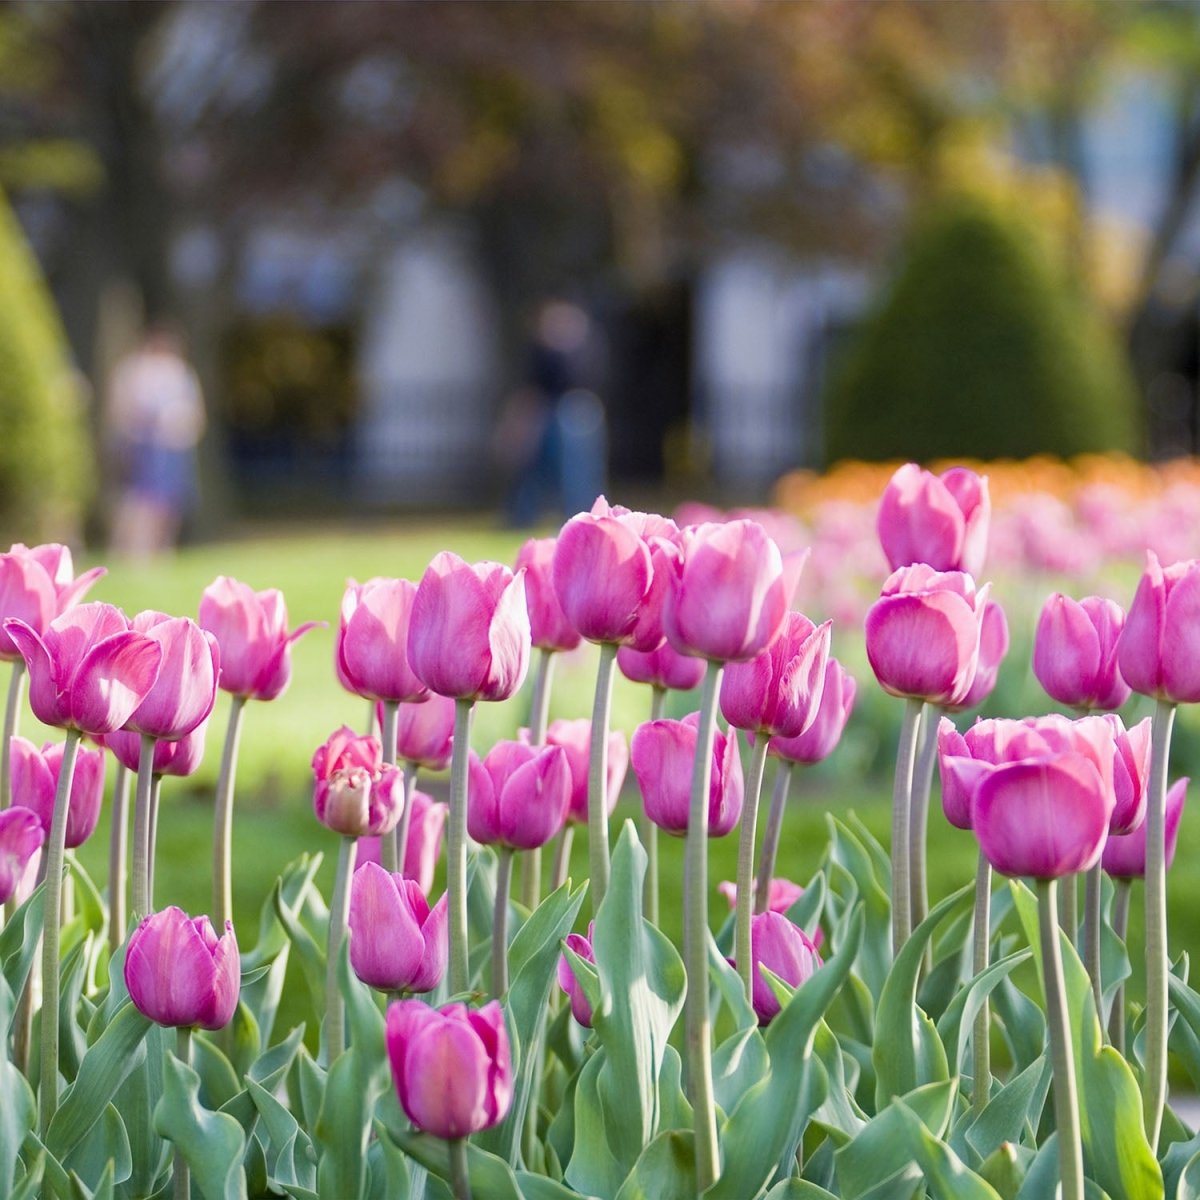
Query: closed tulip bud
[[421, 851], [518, 795], [26, 593], [355, 794], [782, 894], [1131, 773], [179, 972], [993, 646], [397, 942], [469, 633], [820, 739], [581, 1010], [549, 626], [55, 559], [21, 838], [35, 774], [1158, 650], [1075, 652], [251, 630], [574, 738], [178, 758], [452, 1067], [88, 670], [729, 592], [779, 691], [1125, 854], [186, 688], [923, 634], [662, 668], [372, 643], [662, 753], [785, 950], [938, 520], [425, 731]]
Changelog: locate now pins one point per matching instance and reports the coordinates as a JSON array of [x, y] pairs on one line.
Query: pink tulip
[[355, 794], [36, 585], [35, 781], [729, 592], [662, 668], [397, 942], [581, 1010], [548, 624], [178, 758], [1131, 773], [574, 737], [186, 688], [179, 972], [452, 1066], [424, 845], [1075, 652], [55, 559], [782, 894], [785, 950], [372, 642], [251, 629], [819, 740], [923, 634], [425, 731], [518, 795], [1158, 650], [941, 521], [88, 670], [21, 838], [993, 646], [1125, 854], [662, 753], [469, 632], [779, 691]]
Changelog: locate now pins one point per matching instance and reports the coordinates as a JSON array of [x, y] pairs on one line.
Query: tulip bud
[[785, 950], [186, 688], [420, 853], [1131, 773], [575, 738], [55, 559], [581, 1010], [1075, 652], [1157, 650], [820, 739], [518, 795], [397, 942], [782, 894], [993, 646], [178, 758], [372, 643], [21, 838], [549, 626], [424, 732], [940, 521], [355, 794], [35, 774], [663, 668], [1125, 854]]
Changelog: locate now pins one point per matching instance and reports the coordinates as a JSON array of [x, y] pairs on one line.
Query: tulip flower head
[[1124, 855], [355, 794], [785, 950], [1131, 773], [183, 695], [1075, 652], [820, 739], [425, 731], [518, 795], [549, 626], [55, 559], [179, 972], [941, 521], [452, 1066], [37, 584], [581, 1009], [993, 646], [1158, 651], [397, 942], [662, 668], [179, 758], [21, 838], [420, 853], [574, 738], [35, 774], [372, 642]]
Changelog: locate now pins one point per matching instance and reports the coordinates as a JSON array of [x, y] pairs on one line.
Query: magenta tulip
[[938, 520], [27, 593], [993, 646], [662, 753], [661, 668], [782, 894], [1124, 855], [425, 732], [549, 627], [581, 1009], [820, 739], [574, 737], [251, 630], [397, 942], [923, 634], [355, 794], [1158, 650], [186, 688], [452, 1066], [21, 838], [35, 781], [786, 951], [1075, 652], [179, 972], [518, 795], [420, 853], [469, 632], [729, 592], [372, 642], [55, 559], [1131, 773], [179, 758]]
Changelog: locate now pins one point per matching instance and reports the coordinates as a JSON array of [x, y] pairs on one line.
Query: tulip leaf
[[956, 1022], [289, 1157], [104, 1149], [539, 1187], [312, 957], [19, 940], [211, 1143], [1020, 1100], [946, 1176], [135, 1099], [491, 1176], [665, 1170], [117, 1052], [1178, 1155], [730, 989], [838, 1110], [387, 1170], [1189, 1180], [849, 853], [807, 908], [291, 889], [218, 1080], [104, 1189], [18, 1117], [1004, 1169], [57, 1181], [798, 1189], [30, 1186]]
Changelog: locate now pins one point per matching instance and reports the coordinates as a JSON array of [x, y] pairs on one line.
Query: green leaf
[[30, 1187], [946, 1176], [491, 1177], [1021, 1099], [290, 1159], [1004, 1170], [847, 851], [798, 1189], [838, 1110], [19, 940], [539, 1187], [1189, 1180], [105, 1150], [218, 1080], [312, 957], [665, 1170], [959, 1018], [18, 1118]]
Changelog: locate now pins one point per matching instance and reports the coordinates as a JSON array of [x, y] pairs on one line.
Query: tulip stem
[[1068, 907], [16, 682], [695, 930], [460, 1175], [183, 1175], [598, 776], [562, 857], [117, 851], [405, 824], [539, 719], [389, 843], [456, 850], [919, 823], [55, 851], [745, 865], [901, 798], [141, 828], [155, 797], [1120, 923], [1091, 935], [1154, 1095], [504, 860], [647, 829], [981, 1049], [339, 915], [223, 839], [1062, 1058], [772, 834]]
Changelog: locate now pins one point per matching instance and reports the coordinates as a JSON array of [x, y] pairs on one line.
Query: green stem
[[1066, 1101], [695, 930], [647, 829], [1091, 935], [155, 796], [141, 830], [539, 719], [981, 1048], [772, 834], [223, 833], [1120, 922], [456, 850], [598, 777], [339, 916], [55, 849], [460, 1175], [745, 865], [13, 706], [901, 797], [919, 821], [504, 861], [117, 851], [562, 857], [1068, 907], [402, 829], [1154, 1097], [389, 843], [183, 1175]]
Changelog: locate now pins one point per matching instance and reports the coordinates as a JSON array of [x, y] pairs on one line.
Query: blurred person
[[155, 418]]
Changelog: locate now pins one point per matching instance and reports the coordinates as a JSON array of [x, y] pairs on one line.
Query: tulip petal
[[112, 679], [925, 646]]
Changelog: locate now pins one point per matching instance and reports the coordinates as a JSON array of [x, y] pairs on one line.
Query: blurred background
[[386, 257]]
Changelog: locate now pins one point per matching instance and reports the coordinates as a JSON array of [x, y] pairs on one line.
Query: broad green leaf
[[1021, 1099], [19, 940], [491, 1177], [289, 1149], [539, 1187], [848, 852], [312, 957], [18, 1118], [1178, 1155], [30, 1186], [1004, 1170], [1189, 1180], [958, 1020], [666, 1169], [218, 1080], [798, 1189], [105, 1149], [946, 1176], [838, 1110]]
